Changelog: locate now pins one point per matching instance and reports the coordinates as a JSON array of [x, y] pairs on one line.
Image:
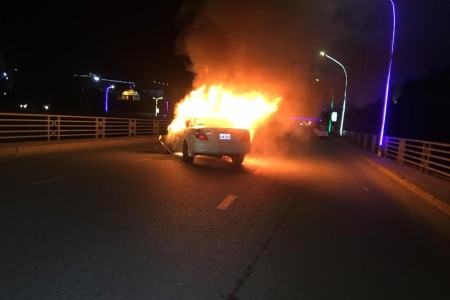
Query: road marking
[[47, 180], [138, 161], [226, 202]]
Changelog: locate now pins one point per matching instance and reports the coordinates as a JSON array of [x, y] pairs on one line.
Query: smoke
[[259, 45], [273, 46], [248, 45]]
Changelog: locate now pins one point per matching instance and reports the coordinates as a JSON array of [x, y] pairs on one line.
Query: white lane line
[[47, 180], [226, 202], [138, 161]]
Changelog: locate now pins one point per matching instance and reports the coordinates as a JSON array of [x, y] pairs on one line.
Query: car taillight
[[246, 136], [200, 134]]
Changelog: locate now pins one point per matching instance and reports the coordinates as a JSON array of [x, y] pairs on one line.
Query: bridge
[[96, 208]]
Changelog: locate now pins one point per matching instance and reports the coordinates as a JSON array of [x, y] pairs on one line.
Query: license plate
[[225, 136]]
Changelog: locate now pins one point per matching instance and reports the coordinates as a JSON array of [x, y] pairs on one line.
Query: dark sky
[[131, 41], [247, 43]]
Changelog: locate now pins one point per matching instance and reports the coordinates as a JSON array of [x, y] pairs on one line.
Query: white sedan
[[210, 137]]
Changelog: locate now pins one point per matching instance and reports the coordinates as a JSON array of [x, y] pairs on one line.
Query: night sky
[[249, 44], [130, 41]]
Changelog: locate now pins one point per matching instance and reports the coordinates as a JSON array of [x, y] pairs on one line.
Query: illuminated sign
[[334, 116]]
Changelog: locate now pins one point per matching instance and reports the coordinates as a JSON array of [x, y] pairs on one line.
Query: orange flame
[[246, 110]]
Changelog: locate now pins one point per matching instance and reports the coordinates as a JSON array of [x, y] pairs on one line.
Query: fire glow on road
[[47, 180], [226, 202]]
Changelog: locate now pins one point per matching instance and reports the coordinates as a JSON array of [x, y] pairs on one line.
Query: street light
[[106, 96], [156, 107], [345, 90], [386, 93], [332, 101]]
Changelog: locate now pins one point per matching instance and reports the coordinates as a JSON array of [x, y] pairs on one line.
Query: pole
[[345, 90], [156, 105], [106, 97], [386, 92]]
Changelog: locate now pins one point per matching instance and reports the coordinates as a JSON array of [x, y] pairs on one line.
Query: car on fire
[[215, 137]]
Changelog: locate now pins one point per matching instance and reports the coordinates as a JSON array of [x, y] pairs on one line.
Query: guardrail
[[429, 157], [41, 127]]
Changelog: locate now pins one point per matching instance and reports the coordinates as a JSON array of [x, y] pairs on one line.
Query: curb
[[437, 202], [408, 184], [46, 147]]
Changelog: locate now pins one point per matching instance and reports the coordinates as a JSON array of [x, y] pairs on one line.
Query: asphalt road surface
[[132, 222]]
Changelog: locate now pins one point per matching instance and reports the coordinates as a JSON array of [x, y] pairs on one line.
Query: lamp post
[[156, 107], [386, 92], [331, 91], [332, 101], [345, 90], [106, 96]]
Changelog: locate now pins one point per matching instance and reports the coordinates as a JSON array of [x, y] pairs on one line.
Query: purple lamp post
[[386, 93], [106, 97]]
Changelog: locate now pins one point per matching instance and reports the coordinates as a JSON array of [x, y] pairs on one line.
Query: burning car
[[209, 136], [215, 121]]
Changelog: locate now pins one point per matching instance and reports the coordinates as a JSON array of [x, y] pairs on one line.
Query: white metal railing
[[429, 157], [39, 127]]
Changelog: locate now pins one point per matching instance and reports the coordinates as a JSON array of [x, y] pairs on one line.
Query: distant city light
[[96, 78], [305, 123], [160, 82]]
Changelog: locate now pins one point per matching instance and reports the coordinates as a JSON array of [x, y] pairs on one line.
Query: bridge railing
[[41, 127], [429, 157]]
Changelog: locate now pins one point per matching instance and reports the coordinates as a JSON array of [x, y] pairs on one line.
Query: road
[[132, 222]]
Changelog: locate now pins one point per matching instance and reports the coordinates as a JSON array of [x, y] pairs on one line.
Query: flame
[[247, 110]]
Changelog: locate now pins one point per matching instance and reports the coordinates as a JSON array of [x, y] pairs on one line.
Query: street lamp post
[[331, 91], [156, 107], [332, 101], [386, 93], [106, 97], [345, 90]]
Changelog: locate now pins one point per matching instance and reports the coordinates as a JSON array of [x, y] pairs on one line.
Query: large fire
[[247, 110]]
